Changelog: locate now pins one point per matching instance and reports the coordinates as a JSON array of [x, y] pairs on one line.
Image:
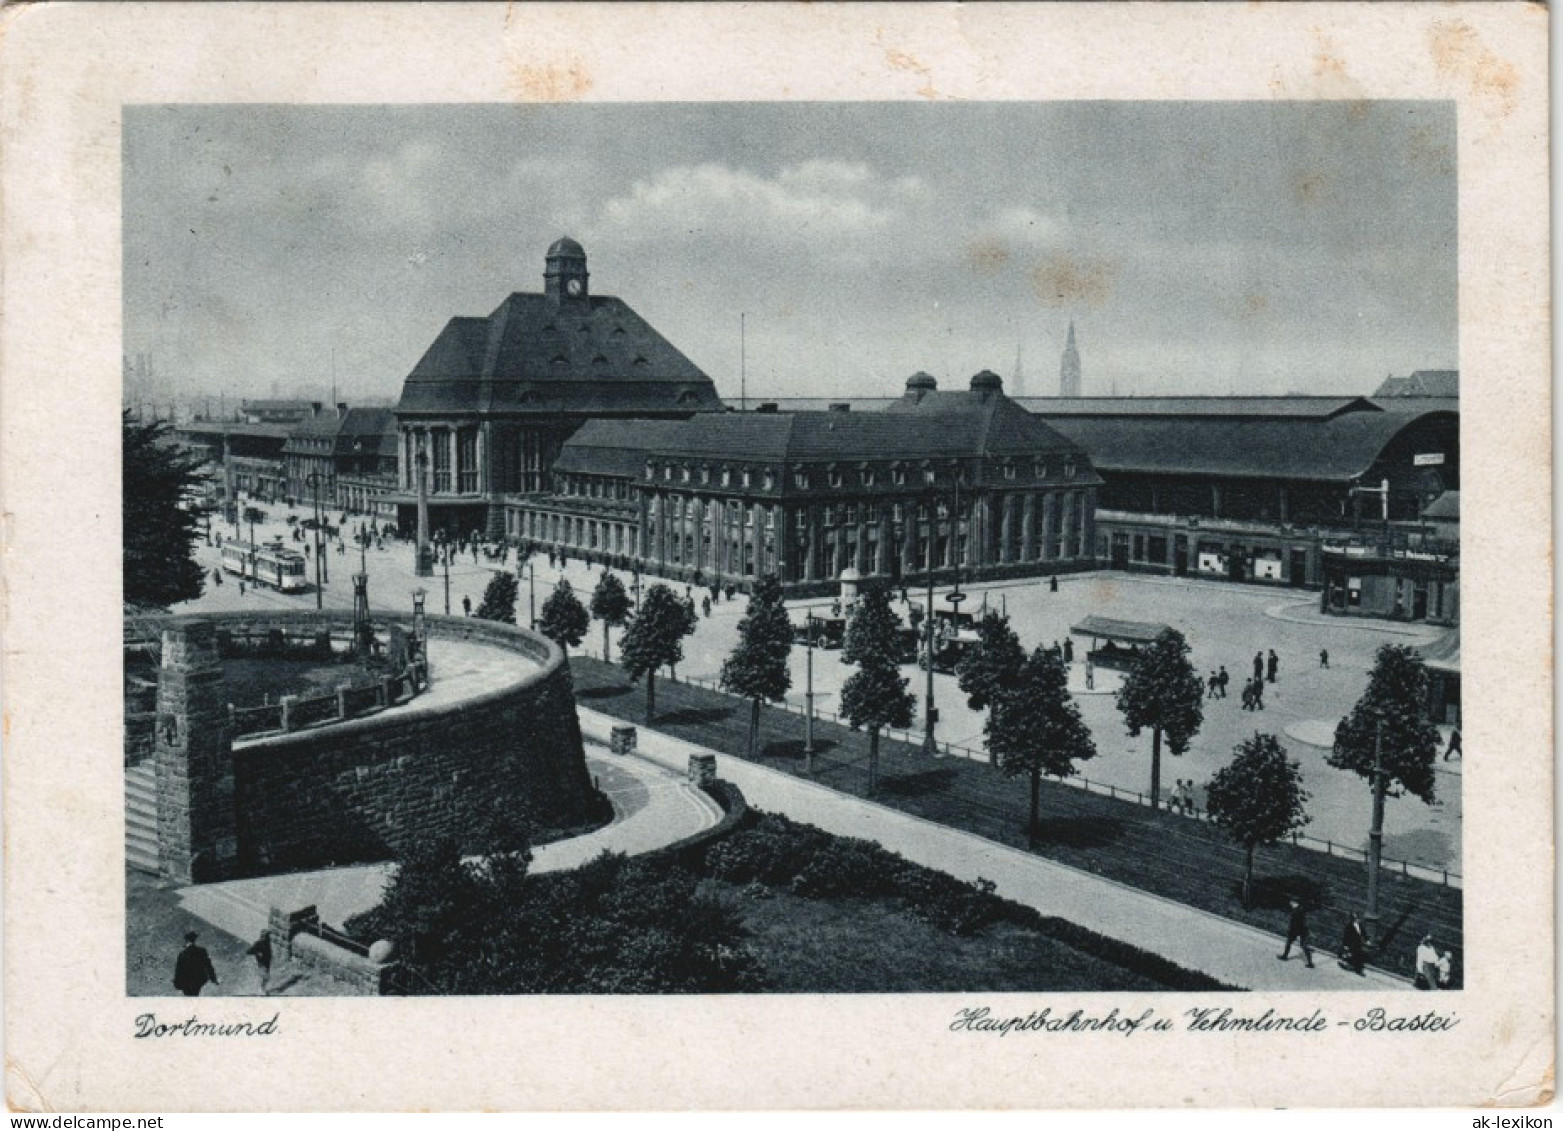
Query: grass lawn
[[1189, 861], [848, 945]]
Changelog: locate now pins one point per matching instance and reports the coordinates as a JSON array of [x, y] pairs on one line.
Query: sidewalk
[[1234, 953]]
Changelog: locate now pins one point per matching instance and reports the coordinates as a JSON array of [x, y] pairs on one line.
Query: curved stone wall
[[365, 788]]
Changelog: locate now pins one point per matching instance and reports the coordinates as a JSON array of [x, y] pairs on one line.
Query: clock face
[[573, 287]]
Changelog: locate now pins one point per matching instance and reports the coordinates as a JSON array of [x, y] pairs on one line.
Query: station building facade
[[965, 483], [486, 411], [1316, 492]]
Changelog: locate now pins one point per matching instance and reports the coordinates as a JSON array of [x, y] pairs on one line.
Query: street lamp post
[[425, 559], [313, 479], [445, 557], [808, 694], [1376, 832]]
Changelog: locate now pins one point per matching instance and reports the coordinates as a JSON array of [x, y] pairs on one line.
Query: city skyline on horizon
[[1200, 249]]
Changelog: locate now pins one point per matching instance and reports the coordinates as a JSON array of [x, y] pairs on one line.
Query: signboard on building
[[1428, 459]]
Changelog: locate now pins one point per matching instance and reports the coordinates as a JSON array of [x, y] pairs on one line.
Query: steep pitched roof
[[958, 425], [536, 354]]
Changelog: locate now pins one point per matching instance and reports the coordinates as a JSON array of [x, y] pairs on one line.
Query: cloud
[[805, 201]]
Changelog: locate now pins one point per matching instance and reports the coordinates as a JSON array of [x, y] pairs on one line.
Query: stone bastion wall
[[364, 788]]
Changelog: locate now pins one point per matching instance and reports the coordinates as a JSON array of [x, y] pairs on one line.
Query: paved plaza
[[1226, 624]]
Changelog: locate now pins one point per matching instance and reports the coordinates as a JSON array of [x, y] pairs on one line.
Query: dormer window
[[727, 477], [868, 477], [898, 475], [705, 474], [833, 475], [1069, 469], [800, 478], [683, 473], [770, 479], [1009, 470], [667, 472], [930, 475], [651, 471], [748, 477]]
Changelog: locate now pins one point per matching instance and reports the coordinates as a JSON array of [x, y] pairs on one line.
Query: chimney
[[314, 408], [341, 409], [919, 385], [840, 406], [767, 407]]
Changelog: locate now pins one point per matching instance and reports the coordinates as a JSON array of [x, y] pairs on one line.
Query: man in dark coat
[[1259, 665], [1297, 932], [193, 968], [1352, 944], [1274, 663]]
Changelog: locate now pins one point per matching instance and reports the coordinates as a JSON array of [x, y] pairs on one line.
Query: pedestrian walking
[[241, 586], [1214, 685], [1259, 695], [1175, 797], [1272, 663], [260, 950], [1189, 805], [1324, 657], [1069, 650], [1259, 665], [1090, 674], [193, 967], [466, 605], [1248, 695], [705, 606], [1353, 943], [1222, 680], [1427, 964], [1052, 584], [1297, 932], [1454, 749]]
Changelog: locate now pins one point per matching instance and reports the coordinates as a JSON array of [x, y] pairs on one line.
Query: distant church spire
[[1069, 372]]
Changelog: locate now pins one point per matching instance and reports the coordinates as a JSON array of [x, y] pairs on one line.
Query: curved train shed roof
[[1294, 438]]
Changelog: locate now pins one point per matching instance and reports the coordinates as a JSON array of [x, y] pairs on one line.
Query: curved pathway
[[653, 807], [1235, 953]]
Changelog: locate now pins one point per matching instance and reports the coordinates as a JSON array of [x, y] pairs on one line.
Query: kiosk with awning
[[1116, 643]]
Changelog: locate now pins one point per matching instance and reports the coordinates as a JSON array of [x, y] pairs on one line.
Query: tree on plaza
[[1398, 693], [984, 670], [1258, 798], [1389, 725], [875, 695], [757, 667], [1034, 726], [564, 620], [499, 599], [611, 605], [1164, 693], [655, 637], [160, 513]]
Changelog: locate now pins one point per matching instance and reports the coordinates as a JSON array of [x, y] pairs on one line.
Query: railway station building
[[964, 482], [486, 411], [1327, 493]]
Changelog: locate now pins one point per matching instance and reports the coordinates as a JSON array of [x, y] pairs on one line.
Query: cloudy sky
[[1199, 248]]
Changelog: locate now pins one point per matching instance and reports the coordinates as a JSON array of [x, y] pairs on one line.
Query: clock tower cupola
[[564, 275]]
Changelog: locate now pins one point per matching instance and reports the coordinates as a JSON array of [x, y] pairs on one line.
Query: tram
[[268, 564]]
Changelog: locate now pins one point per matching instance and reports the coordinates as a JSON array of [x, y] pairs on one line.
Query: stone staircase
[[141, 817]]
